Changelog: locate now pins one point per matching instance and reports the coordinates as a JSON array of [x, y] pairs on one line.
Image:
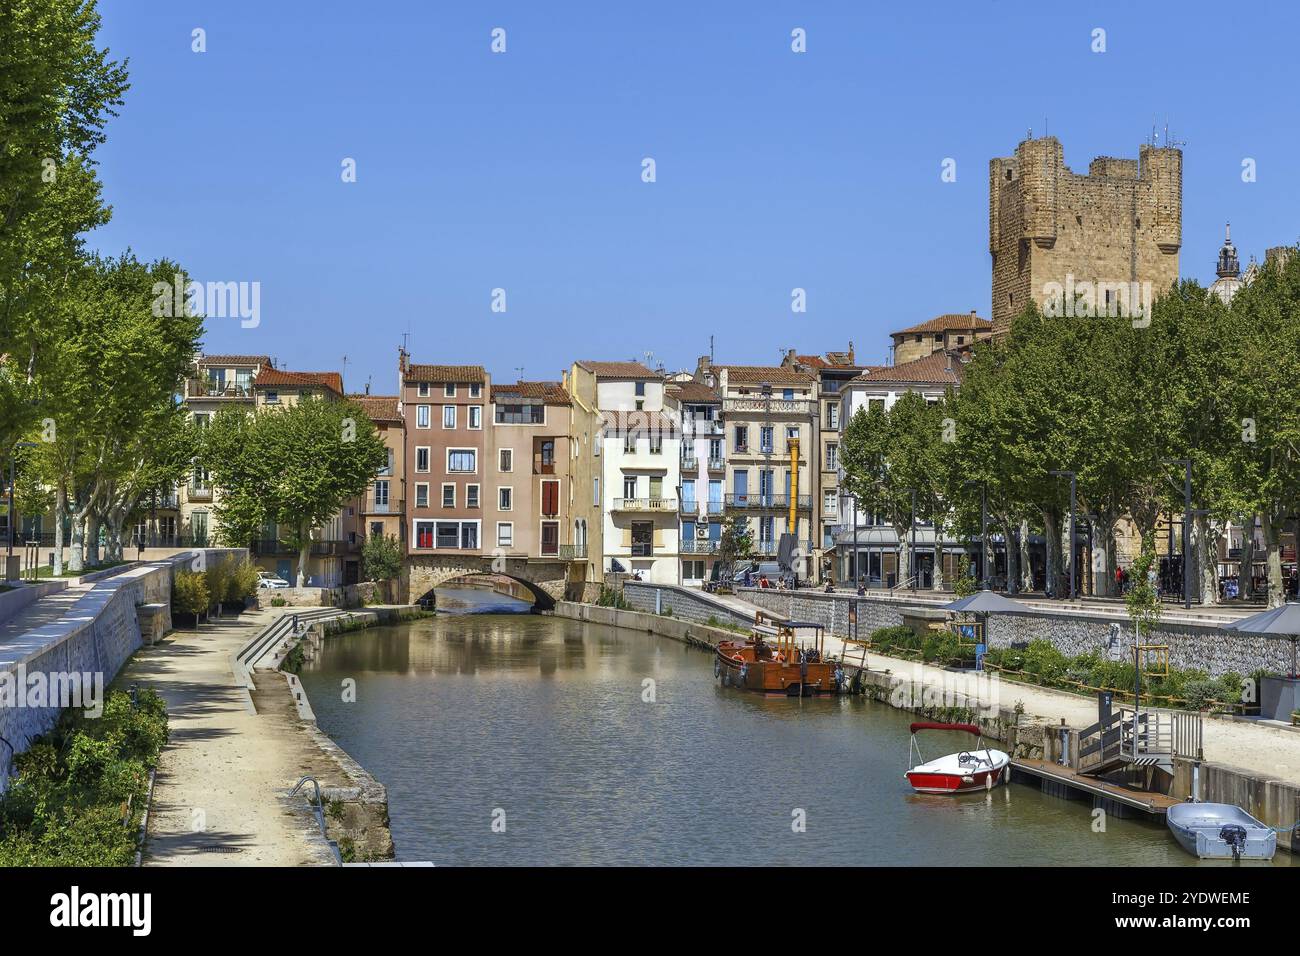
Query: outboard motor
[[1235, 837]]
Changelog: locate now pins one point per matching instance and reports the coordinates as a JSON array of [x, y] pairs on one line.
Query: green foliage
[[278, 602], [290, 467], [965, 586], [1143, 600], [381, 557], [190, 594], [78, 794], [611, 597], [241, 581], [217, 575]]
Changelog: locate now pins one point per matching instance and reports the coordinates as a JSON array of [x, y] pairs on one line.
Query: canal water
[[510, 739]]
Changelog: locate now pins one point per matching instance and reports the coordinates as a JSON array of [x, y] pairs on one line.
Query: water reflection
[[549, 721]]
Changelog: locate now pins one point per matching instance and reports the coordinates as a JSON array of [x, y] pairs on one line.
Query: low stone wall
[[686, 604], [21, 595], [95, 637], [1073, 632]]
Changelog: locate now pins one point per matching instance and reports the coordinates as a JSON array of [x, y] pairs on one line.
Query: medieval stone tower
[[1121, 223]]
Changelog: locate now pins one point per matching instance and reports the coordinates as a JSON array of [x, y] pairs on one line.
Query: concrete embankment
[[1039, 724]]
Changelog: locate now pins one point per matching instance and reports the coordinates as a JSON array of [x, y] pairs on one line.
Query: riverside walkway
[[1261, 748], [219, 793]]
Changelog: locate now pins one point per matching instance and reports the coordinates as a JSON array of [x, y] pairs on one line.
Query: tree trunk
[[1272, 532], [1206, 567], [92, 539], [77, 554], [1052, 544], [60, 513], [1110, 549], [303, 553], [1012, 539], [1026, 562], [937, 576], [1246, 573]]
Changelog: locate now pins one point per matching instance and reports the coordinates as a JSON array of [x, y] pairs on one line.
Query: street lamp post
[[911, 556], [984, 532], [1074, 593]]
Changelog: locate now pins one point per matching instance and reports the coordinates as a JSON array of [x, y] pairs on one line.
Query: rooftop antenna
[[344, 373], [710, 350]]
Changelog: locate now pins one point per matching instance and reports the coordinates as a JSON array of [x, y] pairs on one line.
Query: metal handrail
[[319, 809]]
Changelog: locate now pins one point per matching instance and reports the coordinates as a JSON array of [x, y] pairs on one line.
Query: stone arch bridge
[[545, 578]]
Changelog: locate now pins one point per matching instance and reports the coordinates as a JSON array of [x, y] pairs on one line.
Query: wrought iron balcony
[[700, 545], [573, 552], [778, 502]]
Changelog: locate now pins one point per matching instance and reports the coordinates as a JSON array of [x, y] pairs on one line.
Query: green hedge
[[79, 791], [938, 647], [1044, 664]]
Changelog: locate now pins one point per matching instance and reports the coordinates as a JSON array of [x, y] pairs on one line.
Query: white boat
[[978, 769], [1221, 831]]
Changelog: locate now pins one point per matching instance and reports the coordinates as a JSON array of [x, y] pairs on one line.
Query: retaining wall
[[686, 604], [1073, 632], [96, 636]]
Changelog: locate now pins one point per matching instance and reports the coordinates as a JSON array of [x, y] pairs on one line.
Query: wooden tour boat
[[772, 660], [980, 769]]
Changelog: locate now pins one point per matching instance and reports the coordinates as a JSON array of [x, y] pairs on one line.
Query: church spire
[[1229, 265]]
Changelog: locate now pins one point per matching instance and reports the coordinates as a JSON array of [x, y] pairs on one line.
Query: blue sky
[[775, 170]]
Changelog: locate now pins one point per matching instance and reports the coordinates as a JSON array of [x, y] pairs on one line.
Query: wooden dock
[[1063, 779]]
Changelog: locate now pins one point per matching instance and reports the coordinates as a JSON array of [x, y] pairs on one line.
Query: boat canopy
[[969, 728]]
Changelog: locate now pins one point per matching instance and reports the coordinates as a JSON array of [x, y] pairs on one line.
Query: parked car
[[265, 579]]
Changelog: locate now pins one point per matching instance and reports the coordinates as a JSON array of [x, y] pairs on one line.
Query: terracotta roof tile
[[697, 393], [272, 377], [446, 374], [934, 369], [381, 409], [771, 374], [617, 369], [232, 361], [552, 393], [949, 322]]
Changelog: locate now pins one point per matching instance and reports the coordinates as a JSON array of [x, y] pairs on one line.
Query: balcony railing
[[199, 388], [804, 502], [318, 548], [573, 552], [692, 506], [773, 547], [690, 464], [645, 504], [777, 406], [393, 506], [700, 546], [199, 493], [717, 464], [642, 549]]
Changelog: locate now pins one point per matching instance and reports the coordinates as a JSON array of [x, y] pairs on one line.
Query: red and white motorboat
[[969, 770]]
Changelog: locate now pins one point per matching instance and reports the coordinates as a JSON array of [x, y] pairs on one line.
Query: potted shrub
[[241, 587], [189, 595]]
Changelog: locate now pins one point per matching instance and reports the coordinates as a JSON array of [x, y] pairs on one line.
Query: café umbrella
[[1281, 621], [985, 603]]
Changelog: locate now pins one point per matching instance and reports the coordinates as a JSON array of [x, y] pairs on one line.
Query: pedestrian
[[139, 547]]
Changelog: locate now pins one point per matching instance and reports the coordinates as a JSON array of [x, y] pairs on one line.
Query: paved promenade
[[219, 791]]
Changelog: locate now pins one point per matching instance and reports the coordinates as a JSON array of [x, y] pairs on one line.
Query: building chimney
[[852, 361]]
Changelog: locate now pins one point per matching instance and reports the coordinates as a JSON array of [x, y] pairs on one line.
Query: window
[[462, 461], [505, 498], [830, 503], [449, 496], [550, 538], [742, 438], [505, 534], [832, 456], [832, 416], [422, 416], [765, 439], [476, 416], [471, 496], [506, 459], [475, 390], [422, 458], [449, 416], [388, 468], [381, 494], [423, 389], [449, 390], [595, 492], [447, 534], [521, 413], [629, 486], [548, 453], [469, 536], [787, 394], [629, 443], [640, 388], [423, 534], [422, 494], [656, 442], [272, 398]]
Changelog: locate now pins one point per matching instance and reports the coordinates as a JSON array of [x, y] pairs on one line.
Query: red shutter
[[550, 498]]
